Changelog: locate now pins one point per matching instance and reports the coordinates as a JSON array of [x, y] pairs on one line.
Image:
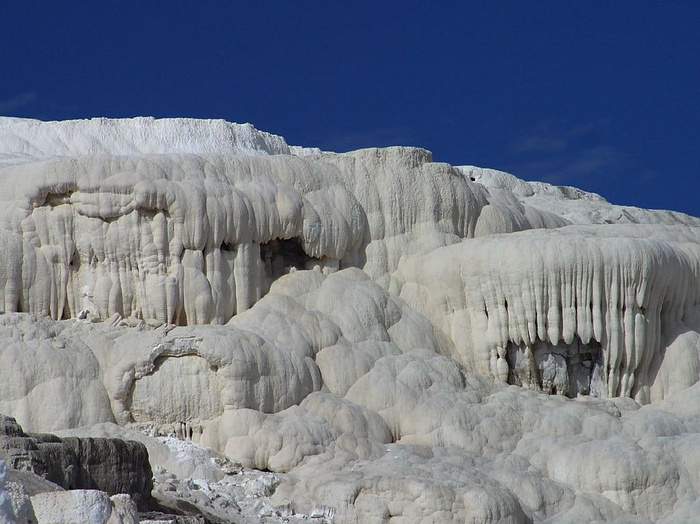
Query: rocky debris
[[241, 495], [21, 486]]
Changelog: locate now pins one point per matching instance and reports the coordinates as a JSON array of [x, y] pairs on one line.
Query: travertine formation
[[392, 336]]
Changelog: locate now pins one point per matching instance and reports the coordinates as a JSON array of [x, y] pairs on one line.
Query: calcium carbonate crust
[[393, 337]]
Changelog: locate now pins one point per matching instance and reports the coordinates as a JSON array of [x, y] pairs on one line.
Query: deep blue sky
[[600, 95]]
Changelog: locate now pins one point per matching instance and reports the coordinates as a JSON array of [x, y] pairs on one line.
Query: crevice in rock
[[280, 255], [228, 246], [565, 369], [57, 199], [182, 318]]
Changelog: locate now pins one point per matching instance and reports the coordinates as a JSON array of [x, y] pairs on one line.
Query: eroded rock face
[[391, 336], [109, 465]]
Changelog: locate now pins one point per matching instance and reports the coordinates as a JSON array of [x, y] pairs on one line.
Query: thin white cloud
[[17, 102], [537, 143], [597, 160], [562, 154]]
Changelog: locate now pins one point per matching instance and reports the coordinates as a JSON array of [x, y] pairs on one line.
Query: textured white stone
[[82, 505], [25, 140], [379, 330]]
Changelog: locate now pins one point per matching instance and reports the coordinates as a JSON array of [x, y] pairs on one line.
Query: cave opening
[[282, 255], [563, 369], [57, 199]]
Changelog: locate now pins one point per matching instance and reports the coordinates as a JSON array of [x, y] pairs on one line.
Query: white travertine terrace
[[397, 336], [615, 286]]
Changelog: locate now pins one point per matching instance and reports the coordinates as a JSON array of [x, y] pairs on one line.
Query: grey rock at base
[[105, 464]]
